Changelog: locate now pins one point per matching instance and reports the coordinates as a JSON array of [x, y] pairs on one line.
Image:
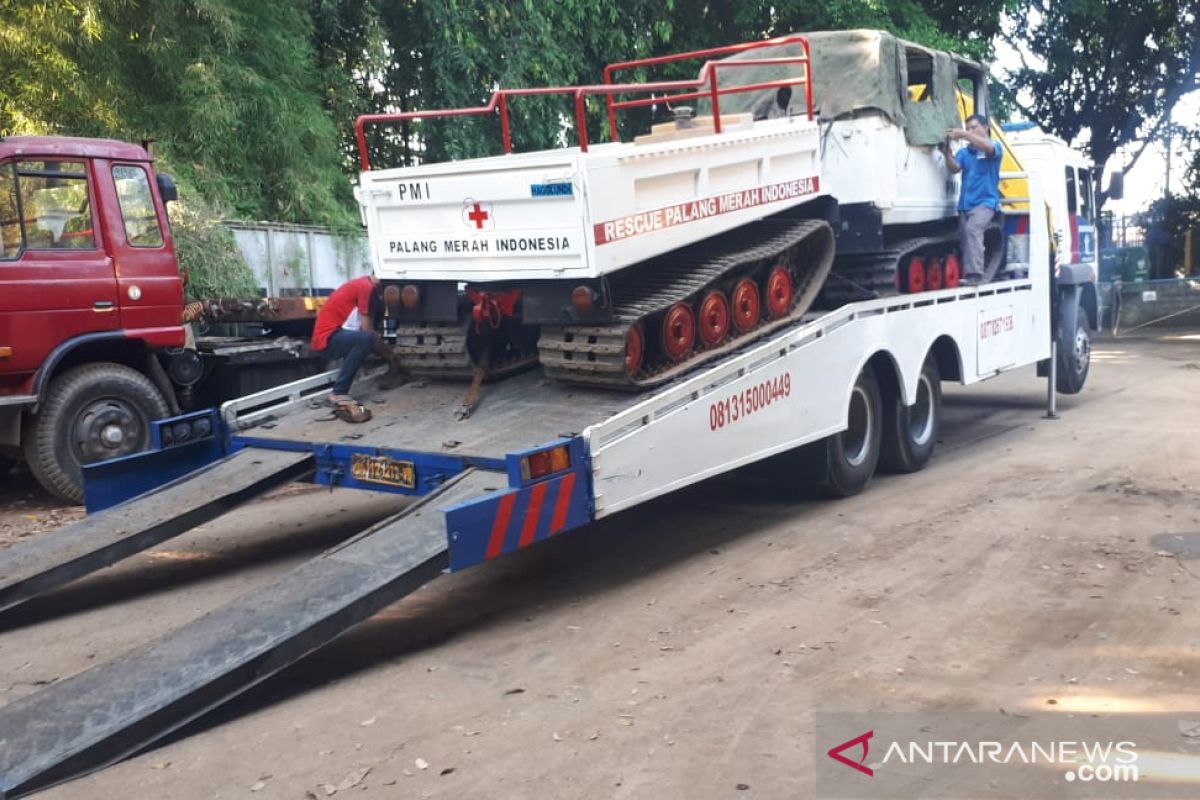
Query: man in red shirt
[[352, 346]]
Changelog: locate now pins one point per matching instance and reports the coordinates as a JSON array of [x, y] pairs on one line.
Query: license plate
[[381, 469]]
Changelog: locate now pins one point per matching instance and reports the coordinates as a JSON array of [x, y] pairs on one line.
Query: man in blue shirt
[[979, 196]]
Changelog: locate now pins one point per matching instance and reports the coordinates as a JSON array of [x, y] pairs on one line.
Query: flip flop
[[352, 412]]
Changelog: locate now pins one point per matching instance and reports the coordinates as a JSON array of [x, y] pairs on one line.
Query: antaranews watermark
[[954, 755]]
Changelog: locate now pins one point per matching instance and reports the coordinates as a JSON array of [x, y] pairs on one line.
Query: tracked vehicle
[[626, 264]]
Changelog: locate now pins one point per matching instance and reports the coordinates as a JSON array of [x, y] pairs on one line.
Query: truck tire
[[90, 413], [1074, 357], [910, 432], [847, 460]]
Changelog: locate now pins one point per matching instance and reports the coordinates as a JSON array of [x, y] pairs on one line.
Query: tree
[[454, 53], [39, 43], [1169, 221], [231, 91], [1104, 74]]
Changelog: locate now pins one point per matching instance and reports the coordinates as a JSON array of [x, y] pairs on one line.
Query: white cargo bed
[[569, 214]]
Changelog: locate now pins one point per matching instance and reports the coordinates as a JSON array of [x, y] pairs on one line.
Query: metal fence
[[1127, 307], [300, 260]]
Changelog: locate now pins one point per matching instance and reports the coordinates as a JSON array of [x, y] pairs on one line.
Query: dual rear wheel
[[881, 433]]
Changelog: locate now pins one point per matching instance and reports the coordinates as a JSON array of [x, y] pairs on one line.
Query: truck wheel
[[910, 432], [1074, 358], [850, 457], [91, 413]]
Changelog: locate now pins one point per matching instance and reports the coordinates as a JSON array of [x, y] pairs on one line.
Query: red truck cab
[[90, 304]]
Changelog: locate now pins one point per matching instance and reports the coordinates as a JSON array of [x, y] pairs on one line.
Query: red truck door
[[148, 282], [56, 280]]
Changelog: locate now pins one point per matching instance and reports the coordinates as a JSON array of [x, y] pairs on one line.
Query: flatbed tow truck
[[845, 390]]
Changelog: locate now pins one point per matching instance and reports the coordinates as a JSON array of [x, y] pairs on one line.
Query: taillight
[[391, 296], [583, 298], [545, 462], [410, 296]]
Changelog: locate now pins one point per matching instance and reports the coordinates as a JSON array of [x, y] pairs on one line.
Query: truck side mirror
[[166, 188], [1116, 185]]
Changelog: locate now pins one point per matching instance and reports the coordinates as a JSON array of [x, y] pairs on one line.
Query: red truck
[[92, 346]]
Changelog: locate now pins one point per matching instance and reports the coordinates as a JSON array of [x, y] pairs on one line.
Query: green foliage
[[1168, 221], [253, 102], [1102, 73], [44, 82], [230, 89], [454, 53], [207, 252]]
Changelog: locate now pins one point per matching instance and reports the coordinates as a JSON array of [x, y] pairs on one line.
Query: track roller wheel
[[914, 275], [953, 271], [747, 306], [933, 275], [779, 292], [714, 319], [635, 349], [678, 332]]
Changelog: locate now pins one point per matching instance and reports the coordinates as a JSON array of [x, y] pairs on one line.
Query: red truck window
[[54, 206], [10, 218], [137, 206]]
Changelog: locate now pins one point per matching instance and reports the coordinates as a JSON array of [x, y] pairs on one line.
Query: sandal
[[352, 412]]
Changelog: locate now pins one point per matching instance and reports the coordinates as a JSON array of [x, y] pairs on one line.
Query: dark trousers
[[352, 347], [971, 225]]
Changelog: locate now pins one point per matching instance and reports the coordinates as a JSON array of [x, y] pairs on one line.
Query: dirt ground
[[680, 650]]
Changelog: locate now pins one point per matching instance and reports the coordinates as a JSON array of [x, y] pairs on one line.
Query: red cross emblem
[[478, 214]]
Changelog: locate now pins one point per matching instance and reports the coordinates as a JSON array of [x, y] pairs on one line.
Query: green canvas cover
[[854, 72]]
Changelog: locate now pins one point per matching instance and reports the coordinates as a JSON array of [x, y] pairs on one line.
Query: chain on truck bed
[[595, 355]]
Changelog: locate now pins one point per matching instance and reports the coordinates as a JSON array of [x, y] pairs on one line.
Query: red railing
[[709, 72], [708, 78]]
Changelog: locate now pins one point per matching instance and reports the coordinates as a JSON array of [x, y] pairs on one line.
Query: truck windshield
[[55, 206]]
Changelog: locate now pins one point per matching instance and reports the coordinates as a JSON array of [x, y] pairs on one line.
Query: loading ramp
[[115, 709], [40, 565]]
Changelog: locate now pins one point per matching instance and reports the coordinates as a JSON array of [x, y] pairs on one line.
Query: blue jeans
[[352, 347]]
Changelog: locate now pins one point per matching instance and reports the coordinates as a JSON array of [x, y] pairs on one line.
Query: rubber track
[[865, 277], [439, 350], [595, 355], [874, 274]]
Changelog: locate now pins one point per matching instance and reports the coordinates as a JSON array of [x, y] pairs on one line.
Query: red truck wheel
[[90, 413]]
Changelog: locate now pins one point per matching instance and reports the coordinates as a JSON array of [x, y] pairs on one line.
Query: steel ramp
[[38, 565], [112, 710]]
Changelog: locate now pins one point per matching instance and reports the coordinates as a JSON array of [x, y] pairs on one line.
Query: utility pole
[[1187, 252]]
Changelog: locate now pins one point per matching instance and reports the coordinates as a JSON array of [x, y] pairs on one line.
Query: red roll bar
[[707, 78], [733, 49]]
